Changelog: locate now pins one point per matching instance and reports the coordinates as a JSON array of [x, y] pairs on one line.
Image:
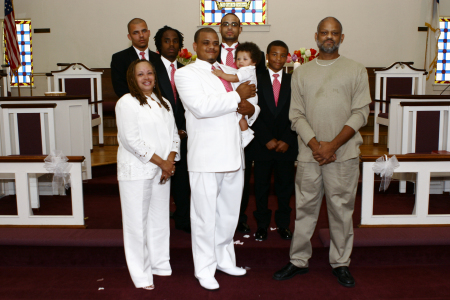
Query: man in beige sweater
[[329, 103]]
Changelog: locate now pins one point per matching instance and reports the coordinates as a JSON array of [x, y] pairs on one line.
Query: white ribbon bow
[[57, 163], [384, 167]]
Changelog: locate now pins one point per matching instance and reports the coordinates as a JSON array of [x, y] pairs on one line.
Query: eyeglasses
[[226, 24]]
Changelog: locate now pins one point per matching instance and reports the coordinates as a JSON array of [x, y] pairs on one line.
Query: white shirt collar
[[139, 51], [167, 64], [204, 64], [279, 73], [232, 46], [224, 52]]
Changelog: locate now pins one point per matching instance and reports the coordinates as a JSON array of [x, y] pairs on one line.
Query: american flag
[[12, 47]]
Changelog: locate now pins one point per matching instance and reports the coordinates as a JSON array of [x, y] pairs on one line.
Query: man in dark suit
[[230, 29], [168, 42], [139, 35], [275, 146]]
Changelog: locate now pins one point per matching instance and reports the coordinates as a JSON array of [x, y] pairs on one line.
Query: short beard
[[329, 50]]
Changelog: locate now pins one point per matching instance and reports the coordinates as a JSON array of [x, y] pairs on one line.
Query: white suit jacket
[[142, 132], [211, 119]]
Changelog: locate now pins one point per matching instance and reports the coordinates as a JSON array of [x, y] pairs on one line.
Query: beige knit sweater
[[324, 100]]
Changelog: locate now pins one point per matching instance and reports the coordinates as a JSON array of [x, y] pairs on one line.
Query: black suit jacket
[[119, 65], [260, 68], [166, 90], [273, 121]]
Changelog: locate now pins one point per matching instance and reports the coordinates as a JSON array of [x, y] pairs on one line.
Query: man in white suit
[[215, 158]]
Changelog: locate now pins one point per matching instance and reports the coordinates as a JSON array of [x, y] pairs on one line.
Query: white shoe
[[210, 284], [235, 271]]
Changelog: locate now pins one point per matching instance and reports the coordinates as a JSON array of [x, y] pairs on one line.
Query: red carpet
[[66, 263]]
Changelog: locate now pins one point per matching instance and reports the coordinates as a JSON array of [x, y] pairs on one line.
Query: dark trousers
[[181, 190], [246, 191], [284, 175]]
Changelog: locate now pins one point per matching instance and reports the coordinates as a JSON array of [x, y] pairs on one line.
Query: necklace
[[317, 62]]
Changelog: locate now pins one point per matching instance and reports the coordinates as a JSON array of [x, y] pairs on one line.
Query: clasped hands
[[168, 170], [324, 153], [278, 146]]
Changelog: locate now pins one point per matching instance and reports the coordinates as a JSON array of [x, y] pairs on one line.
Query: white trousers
[[215, 205], [146, 228]]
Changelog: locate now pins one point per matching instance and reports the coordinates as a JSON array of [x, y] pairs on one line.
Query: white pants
[[215, 205], [146, 228]]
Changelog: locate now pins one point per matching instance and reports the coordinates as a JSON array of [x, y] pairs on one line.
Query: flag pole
[[18, 83]]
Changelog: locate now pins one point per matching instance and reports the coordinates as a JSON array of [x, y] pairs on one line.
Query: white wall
[[377, 33]]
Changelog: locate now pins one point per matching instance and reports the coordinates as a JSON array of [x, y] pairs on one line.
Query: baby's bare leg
[[243, 124]]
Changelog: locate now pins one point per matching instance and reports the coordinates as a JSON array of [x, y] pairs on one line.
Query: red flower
[[311, 57], [184, 53], [313, 51], [298, 53]]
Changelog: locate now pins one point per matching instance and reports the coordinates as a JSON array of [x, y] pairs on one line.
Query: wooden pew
[[22, 167], [71, 121], [421, 164]]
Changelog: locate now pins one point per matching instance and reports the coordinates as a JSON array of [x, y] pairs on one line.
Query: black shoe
[[285, 233], [243, 227], [344, 276], [289, 271], [261, 234], [186, 228]]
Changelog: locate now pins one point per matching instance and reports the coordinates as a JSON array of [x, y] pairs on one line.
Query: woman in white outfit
[[148, 146]]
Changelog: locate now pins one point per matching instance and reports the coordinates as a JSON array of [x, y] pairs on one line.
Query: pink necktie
[[172, 82], [226, 84], [230, 60], [276, 85], [142, 55]]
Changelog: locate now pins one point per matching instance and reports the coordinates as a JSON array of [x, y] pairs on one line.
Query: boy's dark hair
[[279, 44], [252, 48], [159, 34]]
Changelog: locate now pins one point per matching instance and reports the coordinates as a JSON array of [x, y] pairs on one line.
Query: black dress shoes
[[289, 271], [285, 233], [344, 276], [261, 234], [243, 227]]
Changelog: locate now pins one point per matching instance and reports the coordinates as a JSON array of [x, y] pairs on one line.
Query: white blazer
[[211, 119], [142, 132]]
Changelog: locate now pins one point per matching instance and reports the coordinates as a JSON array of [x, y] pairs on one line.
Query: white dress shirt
[[167, 64], [224, 52], [139, 53], [279, 73]]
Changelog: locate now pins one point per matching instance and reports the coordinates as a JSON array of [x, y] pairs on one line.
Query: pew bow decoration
[[57, 163], [385, 167]]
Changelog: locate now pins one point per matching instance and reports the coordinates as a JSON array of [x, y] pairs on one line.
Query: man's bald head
[[327, 19], [135, 21], [204, 29]]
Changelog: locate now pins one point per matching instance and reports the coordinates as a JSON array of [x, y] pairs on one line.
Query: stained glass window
[[25, 77], [443, 62], [249, 12]]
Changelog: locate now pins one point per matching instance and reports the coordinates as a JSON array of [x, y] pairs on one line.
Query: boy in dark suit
[[275, 146]]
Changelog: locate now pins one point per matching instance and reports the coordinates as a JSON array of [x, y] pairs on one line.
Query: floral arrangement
[[303, 55], [185, 57]]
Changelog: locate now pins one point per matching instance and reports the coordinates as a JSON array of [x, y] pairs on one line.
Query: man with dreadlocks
[[168, 42]]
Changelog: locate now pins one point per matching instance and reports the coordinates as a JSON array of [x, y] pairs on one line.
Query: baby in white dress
[[247, 57]]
